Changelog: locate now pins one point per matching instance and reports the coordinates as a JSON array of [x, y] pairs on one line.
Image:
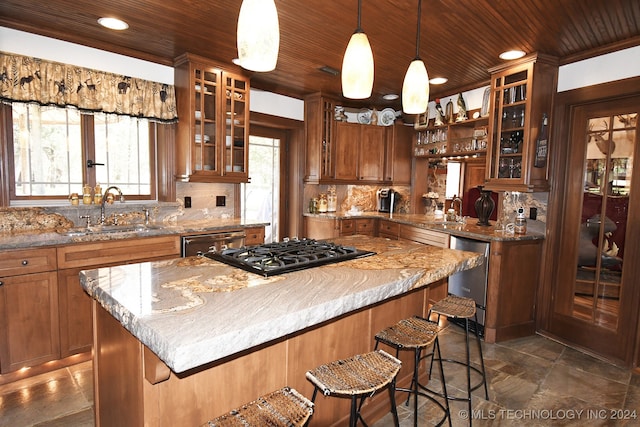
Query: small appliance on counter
[[387, 198]]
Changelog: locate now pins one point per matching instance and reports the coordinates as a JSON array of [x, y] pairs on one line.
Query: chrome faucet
[[459, 200], [104, 199]]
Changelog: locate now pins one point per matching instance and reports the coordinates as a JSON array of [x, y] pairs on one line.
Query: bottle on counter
[[323, 204], [74, 199], [520, 226], [87, 197], [97, 194]]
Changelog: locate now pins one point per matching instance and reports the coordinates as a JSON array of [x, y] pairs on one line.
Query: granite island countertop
[[535, 229], [193, 311]]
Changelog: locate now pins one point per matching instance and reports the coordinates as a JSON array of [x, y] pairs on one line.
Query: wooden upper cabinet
[[213, 130], [359, 152], [521, 97], [319, 136], [399, 151], [346, 151], [340, 152], [371, 156]]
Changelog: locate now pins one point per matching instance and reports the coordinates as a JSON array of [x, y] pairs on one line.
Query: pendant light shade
[[415, 89], [357, 65], [258, 36]]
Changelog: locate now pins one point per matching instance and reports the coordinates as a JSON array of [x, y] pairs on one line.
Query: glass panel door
[[205, 135], [608, 170], [235, 126]]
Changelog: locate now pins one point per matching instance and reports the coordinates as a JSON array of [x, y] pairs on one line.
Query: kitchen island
[[179, 342]]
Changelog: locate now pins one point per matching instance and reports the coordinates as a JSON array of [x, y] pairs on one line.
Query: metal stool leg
[[484, 372]]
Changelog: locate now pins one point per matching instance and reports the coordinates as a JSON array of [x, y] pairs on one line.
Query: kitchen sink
[[107, 229]]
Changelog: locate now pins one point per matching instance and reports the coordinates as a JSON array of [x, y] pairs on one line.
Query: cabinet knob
[[25, 262], [1, 283]]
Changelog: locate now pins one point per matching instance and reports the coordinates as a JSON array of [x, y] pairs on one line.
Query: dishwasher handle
[[214, 238]]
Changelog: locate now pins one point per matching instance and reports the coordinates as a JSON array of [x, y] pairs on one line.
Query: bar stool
[[416, 334], [358, 377], [281, 408], [462, 308]]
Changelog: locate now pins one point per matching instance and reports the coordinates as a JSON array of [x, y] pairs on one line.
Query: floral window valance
[[27, 79]]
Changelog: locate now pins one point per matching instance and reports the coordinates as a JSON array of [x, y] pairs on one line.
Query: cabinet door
[[236, 125], [346, 151], [206, 137], [399, 150], [371, 153], [255, 236], [521, 100], [29, 313], [319, 138], [320, 228], [76, 329]]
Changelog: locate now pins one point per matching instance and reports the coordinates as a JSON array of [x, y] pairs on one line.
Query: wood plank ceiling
[[460, 39]]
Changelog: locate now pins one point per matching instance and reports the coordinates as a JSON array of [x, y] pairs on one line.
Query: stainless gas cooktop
[[286, 256]]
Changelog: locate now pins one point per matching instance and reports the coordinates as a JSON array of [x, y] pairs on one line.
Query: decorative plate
[[387, 117], [364, 116]]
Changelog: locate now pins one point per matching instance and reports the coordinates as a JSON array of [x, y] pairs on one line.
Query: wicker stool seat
[[357, 377], [455, 306], [285, 407], [462, 308], [416, 334]]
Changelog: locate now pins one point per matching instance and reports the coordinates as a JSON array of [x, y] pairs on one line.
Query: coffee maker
[[387, 199]]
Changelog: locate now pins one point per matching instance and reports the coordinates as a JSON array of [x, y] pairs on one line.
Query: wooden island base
[[134, 388]]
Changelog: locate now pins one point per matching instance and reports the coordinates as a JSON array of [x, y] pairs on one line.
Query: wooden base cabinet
[[133, 387], [76, 332], [514, 271], [28, 309]]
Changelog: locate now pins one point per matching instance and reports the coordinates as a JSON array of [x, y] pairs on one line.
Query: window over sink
[[53, 151]]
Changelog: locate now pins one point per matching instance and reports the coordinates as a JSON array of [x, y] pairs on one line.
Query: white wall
[[613, 66]]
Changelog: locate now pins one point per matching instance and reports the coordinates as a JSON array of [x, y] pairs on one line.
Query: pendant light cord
[[359, 28], [418, 30]]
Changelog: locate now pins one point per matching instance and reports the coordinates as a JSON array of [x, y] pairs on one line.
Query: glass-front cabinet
[[520, 105], [213, 111]]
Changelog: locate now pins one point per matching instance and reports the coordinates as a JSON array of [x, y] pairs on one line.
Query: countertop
[[535, 229], [53, 238], [193, 311]]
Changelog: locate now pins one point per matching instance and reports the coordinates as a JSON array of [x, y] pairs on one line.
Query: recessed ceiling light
[[512, 54], [113, 23], [438, 80], [390, 97]]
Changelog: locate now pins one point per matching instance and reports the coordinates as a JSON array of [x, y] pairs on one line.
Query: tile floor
[[533, 381]]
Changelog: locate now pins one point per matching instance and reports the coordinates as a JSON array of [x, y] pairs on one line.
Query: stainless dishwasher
[[471, 283], [201, 243]]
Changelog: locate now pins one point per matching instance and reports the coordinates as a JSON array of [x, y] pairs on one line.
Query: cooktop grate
[[283, 257]]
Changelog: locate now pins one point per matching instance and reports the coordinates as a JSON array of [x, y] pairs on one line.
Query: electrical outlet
[[187, 201], [221, 201]]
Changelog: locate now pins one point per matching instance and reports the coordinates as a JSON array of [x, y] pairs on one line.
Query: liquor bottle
[[542, 145]]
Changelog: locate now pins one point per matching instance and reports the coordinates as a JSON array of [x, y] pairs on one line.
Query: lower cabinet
[[328, 228], [76, 333], [388, 229], [255, 236], [28, 308]]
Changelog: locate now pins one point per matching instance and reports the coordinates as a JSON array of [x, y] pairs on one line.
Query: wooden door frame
[[291, 169], [565, 102]]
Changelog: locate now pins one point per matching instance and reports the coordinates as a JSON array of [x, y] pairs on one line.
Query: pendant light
[[415, 88], [357, 64], [258, 36]]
